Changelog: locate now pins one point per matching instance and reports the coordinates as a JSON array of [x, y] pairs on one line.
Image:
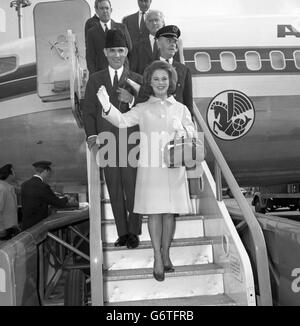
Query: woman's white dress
[[159, 189]]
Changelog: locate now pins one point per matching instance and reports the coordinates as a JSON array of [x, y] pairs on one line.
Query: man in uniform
[[167, 42], [36, 196], [120, 179], [95, 43], [136, 22]]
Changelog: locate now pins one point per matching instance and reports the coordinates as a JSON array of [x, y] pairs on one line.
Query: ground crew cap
[[168, 31], [115, 39]]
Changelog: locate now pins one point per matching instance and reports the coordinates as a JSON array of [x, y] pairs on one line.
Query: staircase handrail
[[96, 248], [253, 225], [75, 78]]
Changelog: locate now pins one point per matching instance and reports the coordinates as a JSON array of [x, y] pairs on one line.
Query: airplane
[[263, 71], [246, 78]]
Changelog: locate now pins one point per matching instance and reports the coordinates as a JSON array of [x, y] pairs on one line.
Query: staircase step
[[182, 252], [186, 281], [186, 227], [203, 300], [53, 302]]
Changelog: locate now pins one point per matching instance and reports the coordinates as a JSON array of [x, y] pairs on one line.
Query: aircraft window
[[228, 61], [297, 59], [8, 65], [253, 60], [277, 60], [203, 62]]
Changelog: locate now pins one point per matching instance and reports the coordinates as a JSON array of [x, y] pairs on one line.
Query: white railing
[[96, 248]]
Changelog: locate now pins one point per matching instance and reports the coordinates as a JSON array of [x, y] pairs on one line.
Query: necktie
[[155, 50], [106, 29], [116, 81], [142, 24], [168, 60]]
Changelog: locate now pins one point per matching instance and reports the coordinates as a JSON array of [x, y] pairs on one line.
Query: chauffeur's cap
[[115, 39], [42, 164], [170, 31]]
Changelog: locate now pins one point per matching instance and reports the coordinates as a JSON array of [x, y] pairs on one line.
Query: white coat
[[159, 189], [8, 206]]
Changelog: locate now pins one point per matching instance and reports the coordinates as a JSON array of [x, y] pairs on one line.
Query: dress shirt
[[140, 16], [108, 24], [152, 41], [170, 60], [112, 73]]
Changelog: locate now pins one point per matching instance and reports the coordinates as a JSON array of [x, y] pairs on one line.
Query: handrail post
[[96, 250], [218, 179]]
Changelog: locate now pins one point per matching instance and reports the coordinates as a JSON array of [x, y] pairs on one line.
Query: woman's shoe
[[169, 269], [160, 277]]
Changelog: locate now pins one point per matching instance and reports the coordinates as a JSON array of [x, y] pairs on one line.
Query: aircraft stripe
[[20, 82], [252, 85], [17, 80], [23, 71]]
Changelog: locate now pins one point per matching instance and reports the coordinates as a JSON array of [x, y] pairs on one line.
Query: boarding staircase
[[211, 264]]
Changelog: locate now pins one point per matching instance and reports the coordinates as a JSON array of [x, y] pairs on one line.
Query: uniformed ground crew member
[[36, 196]]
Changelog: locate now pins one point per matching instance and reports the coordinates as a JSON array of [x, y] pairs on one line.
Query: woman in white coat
[[160, 192]]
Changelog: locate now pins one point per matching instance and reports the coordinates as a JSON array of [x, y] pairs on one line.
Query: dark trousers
[[121, 188]]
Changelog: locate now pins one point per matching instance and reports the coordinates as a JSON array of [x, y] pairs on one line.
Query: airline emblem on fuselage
[[230, 115]]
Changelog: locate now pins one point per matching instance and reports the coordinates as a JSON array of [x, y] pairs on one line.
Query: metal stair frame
[[230, 253]]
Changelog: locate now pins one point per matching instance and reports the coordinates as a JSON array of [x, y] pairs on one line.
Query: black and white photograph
[[150, 155]]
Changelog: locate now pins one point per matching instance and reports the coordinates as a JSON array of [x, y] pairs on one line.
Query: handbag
[[184, 152]]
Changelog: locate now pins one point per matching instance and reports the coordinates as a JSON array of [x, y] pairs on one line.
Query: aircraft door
[[52, 20]]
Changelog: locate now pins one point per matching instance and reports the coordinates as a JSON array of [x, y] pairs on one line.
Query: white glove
[[103, 98]]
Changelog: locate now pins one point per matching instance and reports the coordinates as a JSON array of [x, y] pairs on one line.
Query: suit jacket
[[142, 56], [92, 110], [132, 24], [184, 89], [95, 58], [90, 23], [36, 196]]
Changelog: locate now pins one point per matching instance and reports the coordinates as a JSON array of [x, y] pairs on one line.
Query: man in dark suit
[[136, 22], [146, 51], [167, 42], [91, 22], [120, 176], [36, 196], [95, 58]]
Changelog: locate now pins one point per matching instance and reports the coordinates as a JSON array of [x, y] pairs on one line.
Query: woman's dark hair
[[6, 171], [160, 65]]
